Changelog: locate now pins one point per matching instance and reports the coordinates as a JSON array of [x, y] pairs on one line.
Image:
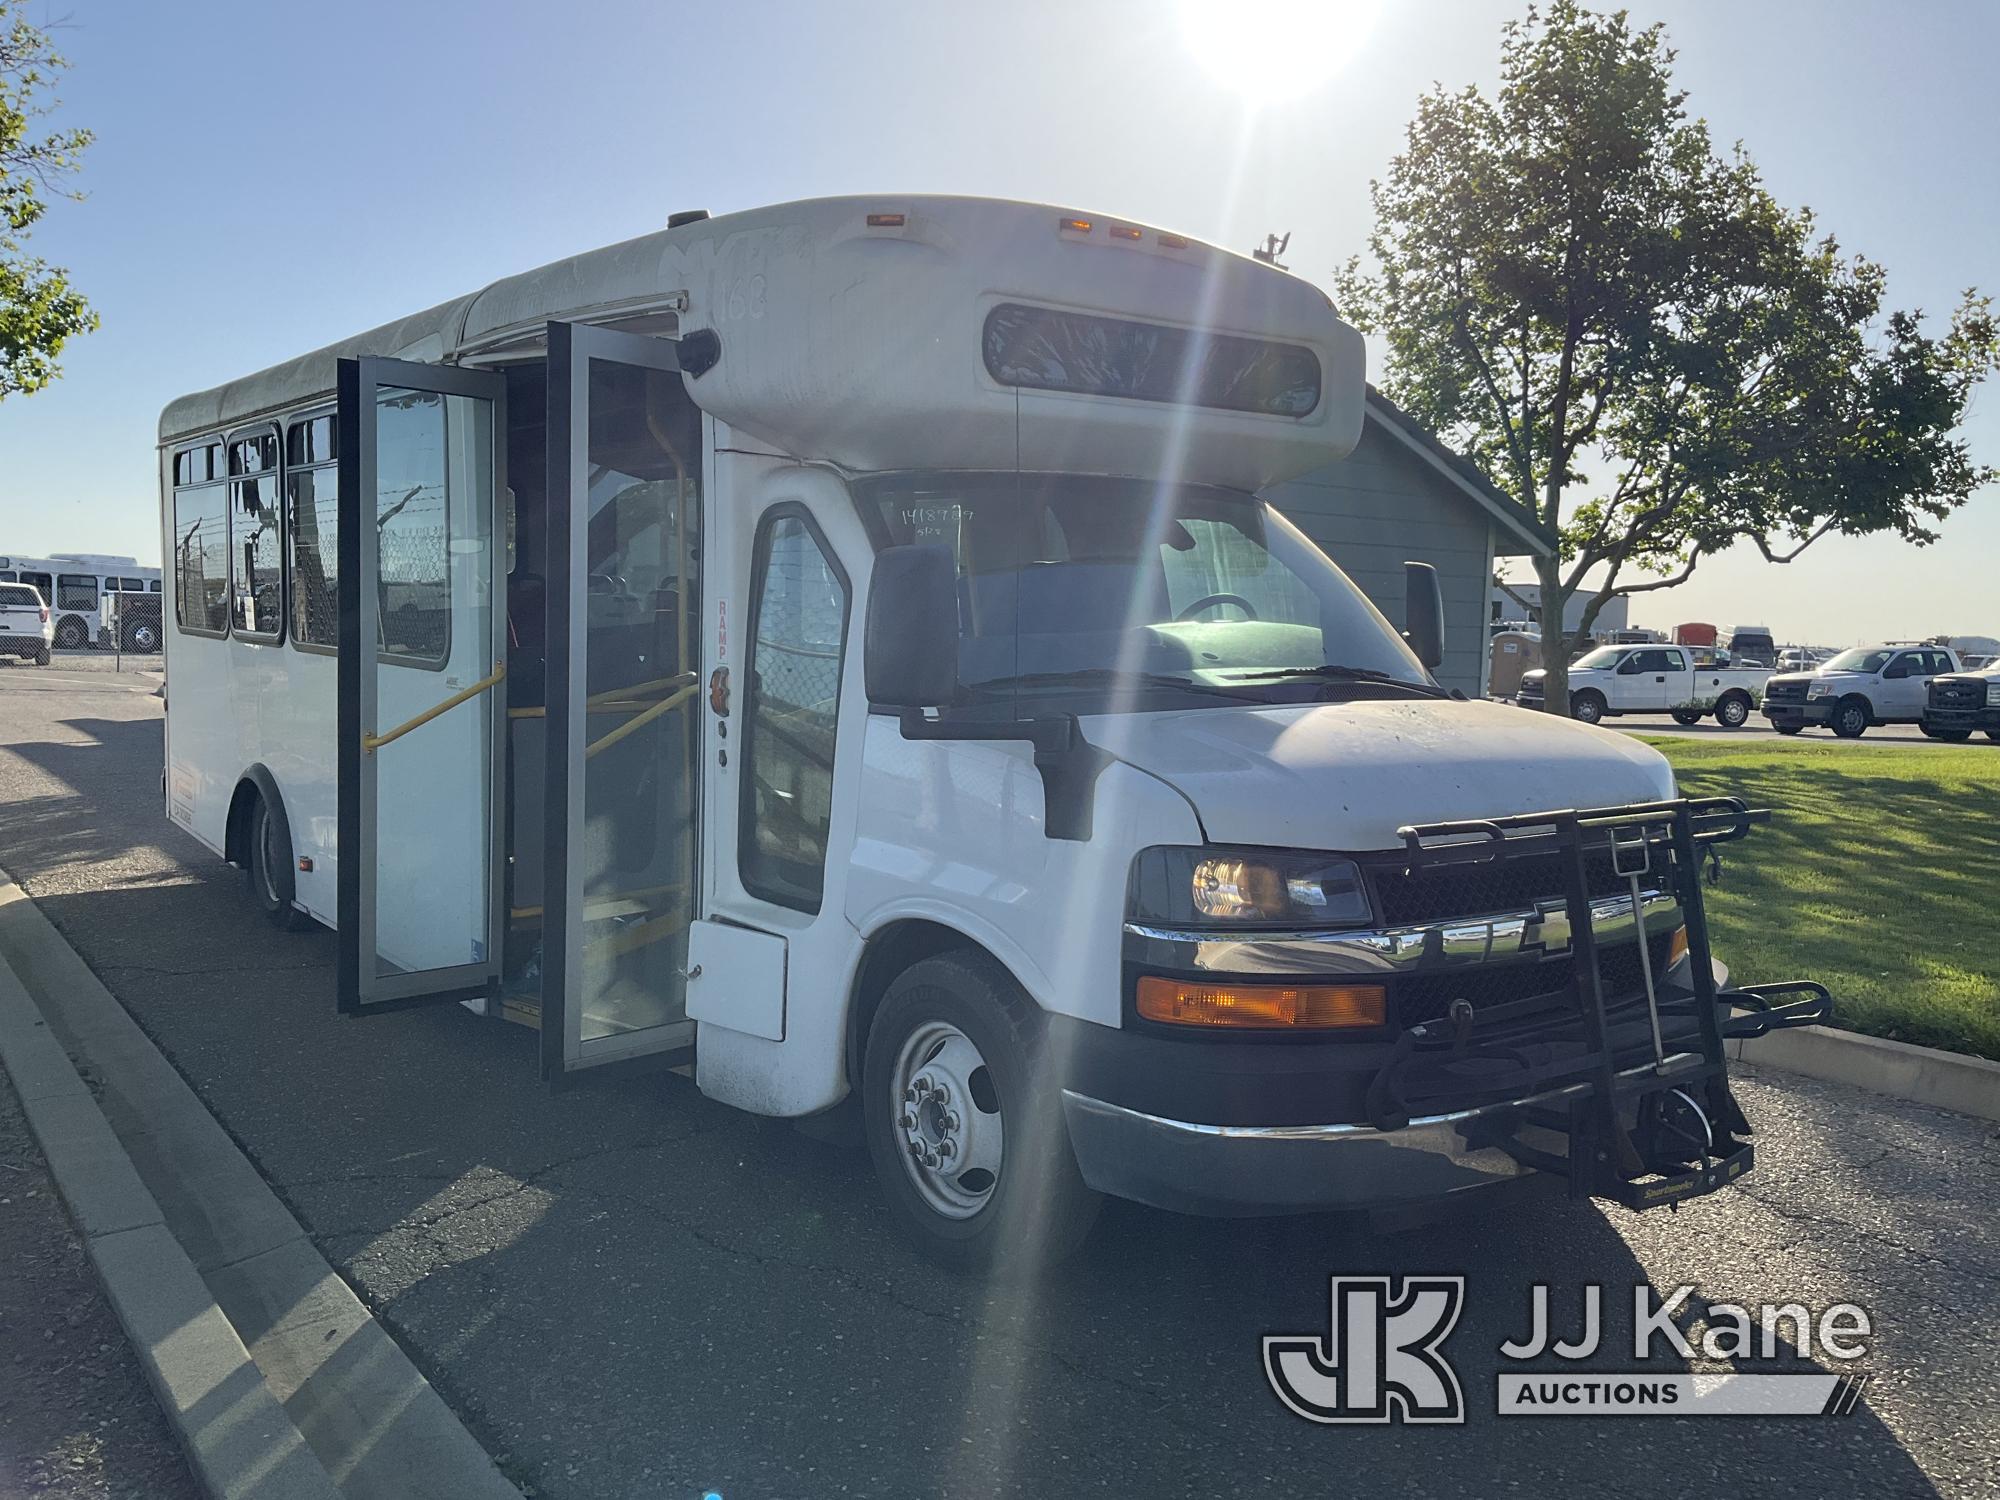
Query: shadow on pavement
[[626, 1289]]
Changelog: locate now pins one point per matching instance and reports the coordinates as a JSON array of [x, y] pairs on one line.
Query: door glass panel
[[793, 696], [634, 846], [433, 536]]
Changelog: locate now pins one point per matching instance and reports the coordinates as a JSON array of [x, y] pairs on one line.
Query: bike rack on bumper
[[1658, 1133]]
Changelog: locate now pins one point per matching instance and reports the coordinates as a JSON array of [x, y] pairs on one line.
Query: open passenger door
[[624, 519], [422, 692]]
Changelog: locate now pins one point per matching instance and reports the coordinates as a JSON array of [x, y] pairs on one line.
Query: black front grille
[[1953, 692], [1493, 888], [1779, 690], [1428, 997]]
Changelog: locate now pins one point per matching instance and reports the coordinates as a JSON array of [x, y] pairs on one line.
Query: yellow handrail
[[639, 721], [373, 742]]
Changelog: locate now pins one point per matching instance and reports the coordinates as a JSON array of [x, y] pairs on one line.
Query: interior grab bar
[[370, 743]]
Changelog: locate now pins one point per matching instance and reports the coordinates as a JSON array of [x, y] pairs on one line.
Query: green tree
[[39, 310], [1570, 274]]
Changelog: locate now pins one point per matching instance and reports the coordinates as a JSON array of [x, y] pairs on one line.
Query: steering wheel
[[1199, 605]]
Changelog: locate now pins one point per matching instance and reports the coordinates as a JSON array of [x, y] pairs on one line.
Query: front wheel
[[41, 656], [1587, 707], [964, 1120], [1688, 716], [1949, 736], [1732, 713], [70, 633], [1788, 728], [1850, 718]]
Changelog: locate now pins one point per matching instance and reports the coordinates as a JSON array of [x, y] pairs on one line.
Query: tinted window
[[200, 558], [1051, 350], [794, 694], [76, 590], [15, 595], [256, 558], [315, 557], [134, 585]]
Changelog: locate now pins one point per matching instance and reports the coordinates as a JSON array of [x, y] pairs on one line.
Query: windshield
[[1072, 583], [1603, 656], [1860, 659]]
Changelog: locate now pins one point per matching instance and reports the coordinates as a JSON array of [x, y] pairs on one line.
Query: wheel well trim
[[256, 778], [900, 936]]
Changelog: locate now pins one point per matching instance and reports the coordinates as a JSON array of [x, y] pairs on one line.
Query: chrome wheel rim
[[1734, 713], [946, 1115], [1586, 710]]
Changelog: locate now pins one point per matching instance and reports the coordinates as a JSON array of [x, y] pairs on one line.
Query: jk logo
[[1379, 1361]]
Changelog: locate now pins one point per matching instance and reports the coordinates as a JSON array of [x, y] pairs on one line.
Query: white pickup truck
[[1887, 684], [1652, 680]]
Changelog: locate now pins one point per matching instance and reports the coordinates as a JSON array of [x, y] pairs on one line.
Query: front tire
[[1733, 712], [964, 1121], [41, 656], [1948, 736], [1587, 707], [1788, 728], [1850, 718], [1687, 716], [70, 634], [268, 869]]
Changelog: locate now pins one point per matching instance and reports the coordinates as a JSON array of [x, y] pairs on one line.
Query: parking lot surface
[[628, 1291]]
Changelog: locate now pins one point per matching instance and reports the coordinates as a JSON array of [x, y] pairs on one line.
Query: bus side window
[[199, 548], [312, 524], [796, 645]]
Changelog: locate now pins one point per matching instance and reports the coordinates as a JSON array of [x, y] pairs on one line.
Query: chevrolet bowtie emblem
[[1548, 929]]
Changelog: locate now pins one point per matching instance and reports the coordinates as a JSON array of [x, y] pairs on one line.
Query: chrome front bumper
[[1253, 1170]]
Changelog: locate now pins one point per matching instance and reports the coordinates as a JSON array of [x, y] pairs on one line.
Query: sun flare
[[1274, 50]]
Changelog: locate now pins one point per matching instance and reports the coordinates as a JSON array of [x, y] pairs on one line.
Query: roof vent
[[686, 216]]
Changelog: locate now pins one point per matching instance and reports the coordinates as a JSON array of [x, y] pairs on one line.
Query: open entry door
[[624, 509], [422, 589]]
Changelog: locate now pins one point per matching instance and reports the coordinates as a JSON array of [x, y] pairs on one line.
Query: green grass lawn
[[1878, 875]]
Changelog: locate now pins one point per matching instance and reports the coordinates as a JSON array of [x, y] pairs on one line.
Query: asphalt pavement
[[1759, 729], [627, 1291]]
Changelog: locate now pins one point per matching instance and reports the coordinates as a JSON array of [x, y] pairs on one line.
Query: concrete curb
[[356, 1417], [238, 1440], [1922, 1075]]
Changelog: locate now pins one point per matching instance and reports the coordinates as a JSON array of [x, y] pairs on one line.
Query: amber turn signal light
[[1187, 1003], [1677, 946]]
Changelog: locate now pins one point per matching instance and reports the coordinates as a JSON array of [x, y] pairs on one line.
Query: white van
[[838, 649]]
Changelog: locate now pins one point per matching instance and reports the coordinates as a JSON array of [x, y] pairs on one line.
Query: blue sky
[[270, 177]]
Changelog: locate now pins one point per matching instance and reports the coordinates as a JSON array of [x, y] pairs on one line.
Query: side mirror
[[909, 646], [1423, 613]]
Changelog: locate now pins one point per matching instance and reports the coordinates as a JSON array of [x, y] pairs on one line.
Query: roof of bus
[[625, 283]]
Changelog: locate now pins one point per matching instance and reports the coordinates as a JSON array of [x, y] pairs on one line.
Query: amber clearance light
[[1283, 1006]]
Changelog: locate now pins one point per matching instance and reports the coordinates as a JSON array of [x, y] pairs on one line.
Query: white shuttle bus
[[838, 649], [84, 591]]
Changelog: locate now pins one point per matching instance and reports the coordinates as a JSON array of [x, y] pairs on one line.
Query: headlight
[[1204, 887], [1820, 690], [1993, 693]]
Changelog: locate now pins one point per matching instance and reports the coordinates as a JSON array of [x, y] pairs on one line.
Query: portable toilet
[[1512, 653]]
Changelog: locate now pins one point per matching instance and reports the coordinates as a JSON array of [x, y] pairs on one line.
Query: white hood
[[1347, 775]]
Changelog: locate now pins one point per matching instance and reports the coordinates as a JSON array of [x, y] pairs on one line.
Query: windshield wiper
[[1335, 672], [1087, 677]]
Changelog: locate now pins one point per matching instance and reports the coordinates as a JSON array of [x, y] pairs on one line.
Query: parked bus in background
[[840, 648], [75, 585]]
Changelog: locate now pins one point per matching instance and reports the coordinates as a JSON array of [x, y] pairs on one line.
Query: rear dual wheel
[[268, 869]]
